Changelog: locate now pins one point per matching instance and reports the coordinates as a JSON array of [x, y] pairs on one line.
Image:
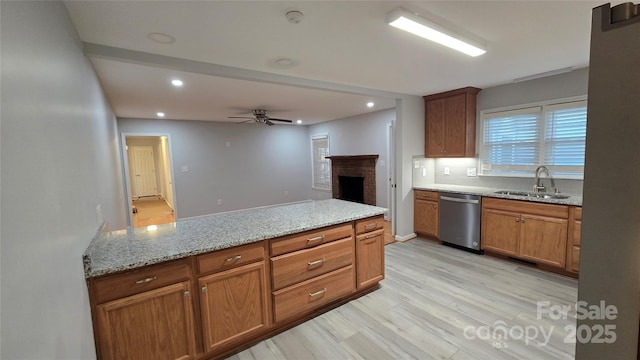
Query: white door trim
[[125, 171]]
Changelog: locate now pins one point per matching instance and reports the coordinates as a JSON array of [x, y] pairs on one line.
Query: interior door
[[143, 171]]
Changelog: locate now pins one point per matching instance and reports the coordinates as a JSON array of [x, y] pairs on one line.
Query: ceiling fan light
[[404, 20]]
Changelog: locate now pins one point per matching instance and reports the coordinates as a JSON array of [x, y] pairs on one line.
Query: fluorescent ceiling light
[[404, 20]]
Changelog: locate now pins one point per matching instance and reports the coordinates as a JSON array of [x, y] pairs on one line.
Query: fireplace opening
[[352, 188]]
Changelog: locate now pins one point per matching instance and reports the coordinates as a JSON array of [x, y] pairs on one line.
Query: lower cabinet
[[425, 212], [531, 231], [144, 317], [370, 252], [233, 305], [573, 245]]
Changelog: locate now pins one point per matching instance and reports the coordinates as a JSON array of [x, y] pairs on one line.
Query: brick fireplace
[[354, 170]]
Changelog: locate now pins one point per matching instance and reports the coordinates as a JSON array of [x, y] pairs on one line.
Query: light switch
[[471, 172], [381, 163], [446, 170], [424, 171], [185, 168], [416, 164]]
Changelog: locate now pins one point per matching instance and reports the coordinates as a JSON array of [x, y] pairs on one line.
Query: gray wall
[[365, 134], [553, 87], [59, 162], [259, 166]]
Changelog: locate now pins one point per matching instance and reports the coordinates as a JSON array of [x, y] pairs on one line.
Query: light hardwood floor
[[430, 295]]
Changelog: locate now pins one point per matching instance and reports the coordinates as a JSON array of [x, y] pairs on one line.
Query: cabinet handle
[[187, 294], [320, 261], [314, 239], [144, 281], [522, 221], [318, 292], [370, 226], [204, 289], [235, 258], [369, 237]]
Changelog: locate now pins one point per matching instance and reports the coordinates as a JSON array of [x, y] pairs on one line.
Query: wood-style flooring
[[152, 211], [430, 295]]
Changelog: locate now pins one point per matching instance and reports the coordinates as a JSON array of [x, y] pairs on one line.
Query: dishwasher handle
[[466, 201]]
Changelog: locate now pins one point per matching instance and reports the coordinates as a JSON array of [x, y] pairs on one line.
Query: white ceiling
[[221, 46]]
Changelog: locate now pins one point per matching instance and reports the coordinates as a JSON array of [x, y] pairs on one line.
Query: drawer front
[[313, 293], [309, 239], [577, 233], [578, 213], [231, 258], [426, 195], [370, 224], [132, 282], [301, 265], [527, 207]]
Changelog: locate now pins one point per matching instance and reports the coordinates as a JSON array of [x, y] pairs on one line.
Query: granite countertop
[[491, 192], [115, 251]]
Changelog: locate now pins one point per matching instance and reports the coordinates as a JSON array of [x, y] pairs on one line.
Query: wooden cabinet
[[369, 252], [573, 245], [311, 269], [234, 299], [425, 212], [531, 231], [145, 314], [450, 123]]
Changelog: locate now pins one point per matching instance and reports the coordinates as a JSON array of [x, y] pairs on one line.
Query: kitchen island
[[257, 272]]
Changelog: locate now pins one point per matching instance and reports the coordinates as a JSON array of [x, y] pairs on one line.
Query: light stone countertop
[[573, 199], [115, 251]]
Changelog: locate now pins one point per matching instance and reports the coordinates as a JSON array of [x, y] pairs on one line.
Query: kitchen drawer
[[426, 195], [313, 293], [132, 282], [370, 224], [310, 239], [301, 265], [231, 258]]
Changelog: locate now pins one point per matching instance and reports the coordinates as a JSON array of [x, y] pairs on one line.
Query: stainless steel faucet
[[537, 187]]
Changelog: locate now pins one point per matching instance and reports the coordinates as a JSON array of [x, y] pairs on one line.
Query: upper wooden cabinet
[[450, 123]]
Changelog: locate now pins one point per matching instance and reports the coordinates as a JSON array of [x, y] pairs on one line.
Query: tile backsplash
[[432, 171]]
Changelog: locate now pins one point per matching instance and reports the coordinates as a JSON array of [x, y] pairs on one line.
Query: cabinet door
[[234, 304], [370, 258], [434, 128], [156, 324], [455, 125], [543, 239], [500, 231], [425, 217]]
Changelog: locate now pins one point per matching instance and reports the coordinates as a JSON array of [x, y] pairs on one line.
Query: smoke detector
[[294, 16]]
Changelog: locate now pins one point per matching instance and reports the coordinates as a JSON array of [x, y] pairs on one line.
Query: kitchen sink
[[532, 194]]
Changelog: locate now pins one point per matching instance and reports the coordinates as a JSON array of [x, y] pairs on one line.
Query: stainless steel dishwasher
[[459, 221]]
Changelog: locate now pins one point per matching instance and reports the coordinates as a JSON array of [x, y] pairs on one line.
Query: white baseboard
[[405, 237]]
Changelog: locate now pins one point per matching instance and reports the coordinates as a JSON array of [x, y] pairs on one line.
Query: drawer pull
[[318, 292], [312, 263], [235, 258], [314, 239], [371, 226], [144, 281], [372, 236]]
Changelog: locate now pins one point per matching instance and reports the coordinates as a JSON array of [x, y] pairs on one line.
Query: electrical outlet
[[185, 168], [219, 201], [99, 216], [471, 172], [424, 171], [286, 193], [228, 144], [446, 170], [382, 163], [416, 164]]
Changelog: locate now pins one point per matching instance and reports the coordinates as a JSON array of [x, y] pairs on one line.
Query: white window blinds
[[321, 165], [515, 142]]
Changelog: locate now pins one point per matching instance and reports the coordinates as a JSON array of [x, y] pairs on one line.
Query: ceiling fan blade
[[239, 117], [283, 120], [268, 122]]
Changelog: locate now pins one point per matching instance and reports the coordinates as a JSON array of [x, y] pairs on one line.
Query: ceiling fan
[[260, 117]]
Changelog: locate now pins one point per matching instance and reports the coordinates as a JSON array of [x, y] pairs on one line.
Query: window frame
[[527, 171], [315, 184]]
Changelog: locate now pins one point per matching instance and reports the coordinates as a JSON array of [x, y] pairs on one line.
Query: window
[[515, 142], [321, 165]]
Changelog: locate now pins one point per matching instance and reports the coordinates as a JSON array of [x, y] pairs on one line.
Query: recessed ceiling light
[[177, 83], [160, 114], [298, 121], [161, 38], [370, 104], [282, 62]]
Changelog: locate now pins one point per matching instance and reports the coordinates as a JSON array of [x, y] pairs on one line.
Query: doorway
[[149, 179]]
